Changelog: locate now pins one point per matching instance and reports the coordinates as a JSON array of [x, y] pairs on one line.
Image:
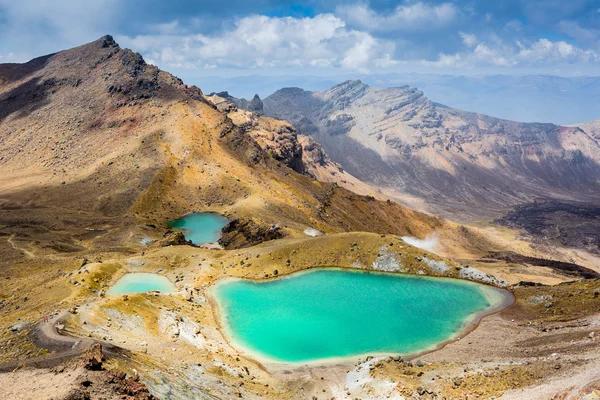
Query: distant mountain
[[592, 128], [526, 98], [440, 159]]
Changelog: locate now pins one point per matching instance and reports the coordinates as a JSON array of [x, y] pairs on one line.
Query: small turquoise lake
[[201, 228], [142, 282], [332, 313]]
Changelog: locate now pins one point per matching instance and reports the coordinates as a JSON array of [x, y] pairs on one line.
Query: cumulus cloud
[[498, 53], [357, 36], [513, 26], [263, 42], [409, 16]]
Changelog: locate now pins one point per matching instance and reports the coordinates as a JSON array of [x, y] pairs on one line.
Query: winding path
[[11, 241], [65, 347]]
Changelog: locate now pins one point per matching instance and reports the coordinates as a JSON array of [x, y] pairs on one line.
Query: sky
[[200, 39]]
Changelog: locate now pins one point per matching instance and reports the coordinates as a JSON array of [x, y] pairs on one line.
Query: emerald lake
[[142, 282], [201, 228], [324, 314]]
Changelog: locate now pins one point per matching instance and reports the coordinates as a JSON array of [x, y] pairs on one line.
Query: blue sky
[[323, 38]]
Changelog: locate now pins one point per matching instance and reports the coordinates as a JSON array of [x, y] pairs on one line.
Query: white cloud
[[469, 40], [6, 57], [263, 42], [542, 52], [415, 16]]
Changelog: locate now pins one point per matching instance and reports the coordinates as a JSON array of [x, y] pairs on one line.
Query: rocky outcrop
[[254, 106], [246, 232], [93, 358], [174, 239], [313, 152], [277, 138]]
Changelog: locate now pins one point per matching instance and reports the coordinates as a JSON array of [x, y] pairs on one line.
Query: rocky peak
[[256, 105], [108, 41], [345, 92]]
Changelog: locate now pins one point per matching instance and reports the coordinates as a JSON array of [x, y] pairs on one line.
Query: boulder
[[92, 359]]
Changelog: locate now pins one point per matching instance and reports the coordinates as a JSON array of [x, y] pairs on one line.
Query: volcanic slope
[[94, 134], [458, 164]]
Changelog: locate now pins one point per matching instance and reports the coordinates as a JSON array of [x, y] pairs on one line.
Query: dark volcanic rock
[[245, 232], [565, 268], [567, 224], [255, 105]]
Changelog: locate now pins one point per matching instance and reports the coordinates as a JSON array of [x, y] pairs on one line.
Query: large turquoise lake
[[329, 313], [201, 228]]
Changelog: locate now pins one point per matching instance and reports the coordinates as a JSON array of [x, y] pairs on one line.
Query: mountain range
[[458, 164], [527, 98]]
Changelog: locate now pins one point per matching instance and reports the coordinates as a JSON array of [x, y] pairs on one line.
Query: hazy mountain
[[592, 128], [525, 98], [441, 159]]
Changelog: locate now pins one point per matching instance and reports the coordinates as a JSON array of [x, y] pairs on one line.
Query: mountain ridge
[[96, 129], [415, 148]]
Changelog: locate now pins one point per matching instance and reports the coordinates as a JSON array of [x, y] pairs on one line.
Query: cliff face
[[278, 138], [281, 141], [461, 164]]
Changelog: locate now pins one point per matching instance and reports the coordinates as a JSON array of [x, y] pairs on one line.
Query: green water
[[328, 313], [142, 282], [201, 228]]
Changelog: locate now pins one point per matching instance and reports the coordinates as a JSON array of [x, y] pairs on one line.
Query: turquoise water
[[201, 228], [142, 282], [328, 313]]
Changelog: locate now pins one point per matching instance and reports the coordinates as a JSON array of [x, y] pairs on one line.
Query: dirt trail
[[48, 336], [21, 249]]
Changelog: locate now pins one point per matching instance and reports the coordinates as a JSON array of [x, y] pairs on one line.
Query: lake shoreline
[[506, 297]]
